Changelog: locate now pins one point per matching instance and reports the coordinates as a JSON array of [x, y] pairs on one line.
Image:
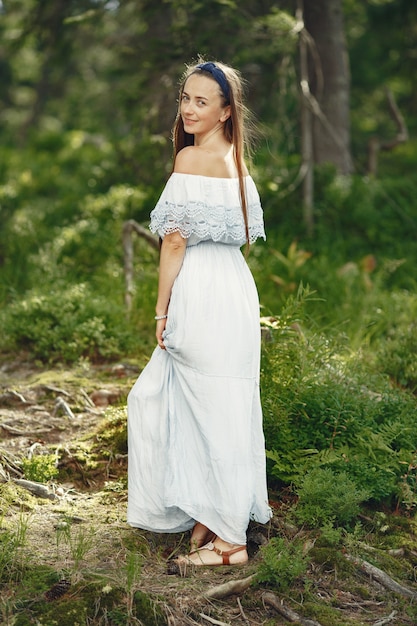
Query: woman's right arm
[[171, 258]]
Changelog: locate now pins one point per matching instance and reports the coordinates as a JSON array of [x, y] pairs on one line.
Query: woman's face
[[201, 105]]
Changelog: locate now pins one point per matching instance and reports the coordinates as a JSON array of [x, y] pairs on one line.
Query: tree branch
[[375, 145], [130, 227], [383, 578], [229, 588], [289, 614]]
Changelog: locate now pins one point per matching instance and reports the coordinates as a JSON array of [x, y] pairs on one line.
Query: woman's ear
[[226, 114]]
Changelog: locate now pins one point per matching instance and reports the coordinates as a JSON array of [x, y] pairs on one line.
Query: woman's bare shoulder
[[200, 162], [190, 160]]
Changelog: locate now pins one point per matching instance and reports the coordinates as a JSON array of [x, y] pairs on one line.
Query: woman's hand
[[160, 327]]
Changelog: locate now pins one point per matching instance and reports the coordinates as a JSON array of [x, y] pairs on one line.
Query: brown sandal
[[183, 565], [225, 554]]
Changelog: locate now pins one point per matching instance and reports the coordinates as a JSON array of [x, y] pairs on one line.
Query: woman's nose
[[187, 107]]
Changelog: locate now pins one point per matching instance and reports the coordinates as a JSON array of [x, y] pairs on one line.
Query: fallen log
[[379, 575]]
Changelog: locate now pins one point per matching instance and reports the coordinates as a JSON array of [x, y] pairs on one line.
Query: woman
[[196, 446]]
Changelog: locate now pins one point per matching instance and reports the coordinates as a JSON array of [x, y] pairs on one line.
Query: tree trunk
[[329, 83], [306, 132]]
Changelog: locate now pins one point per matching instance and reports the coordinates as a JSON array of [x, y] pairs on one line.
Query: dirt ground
[[76, 561]]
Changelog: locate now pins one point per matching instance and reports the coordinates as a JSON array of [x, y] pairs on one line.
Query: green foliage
[[147, 610], [112, 431], [325, 496], [395, 354], [327, 406], [13, 563], [65, 324], [282, 563], [40, 467]]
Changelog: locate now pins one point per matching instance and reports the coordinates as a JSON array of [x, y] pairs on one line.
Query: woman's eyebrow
[[185, 93]]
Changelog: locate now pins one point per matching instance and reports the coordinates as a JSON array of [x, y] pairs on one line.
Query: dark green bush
[[326, 496], [282, 563], [64, 325], [327, 406]]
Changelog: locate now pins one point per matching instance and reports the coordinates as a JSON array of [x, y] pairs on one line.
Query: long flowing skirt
[[196, 445]]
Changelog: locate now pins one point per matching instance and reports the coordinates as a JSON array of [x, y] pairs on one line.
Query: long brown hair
[[235, 127]]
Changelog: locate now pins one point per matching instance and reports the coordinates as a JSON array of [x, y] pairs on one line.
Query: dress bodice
[[201, 208]]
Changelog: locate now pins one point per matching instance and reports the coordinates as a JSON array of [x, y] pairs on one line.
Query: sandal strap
[[225, 554]]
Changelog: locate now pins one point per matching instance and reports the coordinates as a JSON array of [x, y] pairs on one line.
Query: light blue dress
[[196, 444]]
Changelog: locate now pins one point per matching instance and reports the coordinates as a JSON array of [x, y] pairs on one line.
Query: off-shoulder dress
[[195, 438]]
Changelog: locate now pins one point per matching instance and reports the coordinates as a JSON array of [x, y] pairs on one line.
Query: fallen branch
[[242, 612], [12, 430], [60, 404], [10, 465], [55, 390], [383, 578], [229, 588], [213, 621], [12, 397], [385, 620], [289, 614], [376, 145], [36, 488]]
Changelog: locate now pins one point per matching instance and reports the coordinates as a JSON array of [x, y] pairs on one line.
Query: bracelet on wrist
[[160, 317]]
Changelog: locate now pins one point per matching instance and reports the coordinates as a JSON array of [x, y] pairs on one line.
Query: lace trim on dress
[[218, 218], [214, 222]]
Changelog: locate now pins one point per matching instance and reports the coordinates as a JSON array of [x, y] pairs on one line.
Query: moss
[[362, 591], [63, 612], [38, 579], [78, 608], [112, 431], [332, 557], [326, 615], [147, 610]]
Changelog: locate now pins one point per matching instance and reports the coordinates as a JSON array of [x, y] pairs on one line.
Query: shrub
[[281, 563], [40, 468], [325, 405], [326, 496], [65, 324]]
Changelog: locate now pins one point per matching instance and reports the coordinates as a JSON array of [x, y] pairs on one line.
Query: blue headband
[[218, 75]]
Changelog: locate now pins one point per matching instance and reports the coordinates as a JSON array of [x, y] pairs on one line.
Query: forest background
[[87, 101], [88, 98], [89, 95]]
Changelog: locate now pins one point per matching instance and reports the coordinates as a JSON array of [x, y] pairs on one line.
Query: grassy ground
[[70, 558]]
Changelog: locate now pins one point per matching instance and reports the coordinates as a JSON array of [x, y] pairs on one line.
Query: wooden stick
[[213, 621], [242, 612], [385, 620], [289, 614], [229, 588]]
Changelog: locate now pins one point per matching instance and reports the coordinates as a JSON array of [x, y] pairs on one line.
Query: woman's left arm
[[171, 258]]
